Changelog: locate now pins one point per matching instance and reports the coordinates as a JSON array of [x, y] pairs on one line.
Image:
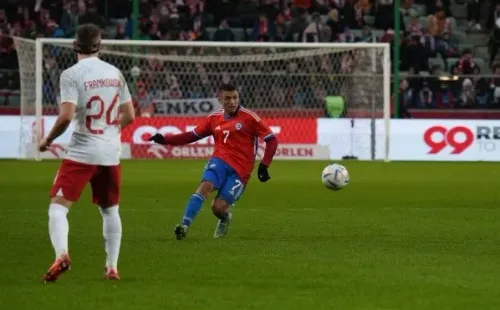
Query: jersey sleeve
[[124, 92], [68, 88], [204, 129], [261, 129]]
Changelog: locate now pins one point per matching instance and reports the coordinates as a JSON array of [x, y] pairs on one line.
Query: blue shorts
[[225, 180]]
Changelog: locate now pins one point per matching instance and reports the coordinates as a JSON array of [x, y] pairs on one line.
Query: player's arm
[[201, 131], [127, 112], [265, 133], [67, 108]]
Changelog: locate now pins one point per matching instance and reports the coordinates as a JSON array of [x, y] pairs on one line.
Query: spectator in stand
[[164, 18], [384, 14], [414, 27], [271, 8], [297, 26], [367, 35], [348, 36], [466, 64], [467, 96], [494, 85], [414, 54], [4, 22], [404, 100], [198, 27], [51, 79], [143, 100], [424, 97], [223, 33], [364, 7], [145, 8], [118, 11], [439, 30], [436, 5], [43, 19], [174, 89], [439, 23], [352, 15], [483, 95], [334, 23], [388, 36], [120, 32], [52, 30], [474, 13], [245, 14], [447, 47], [287, 12], [69, 19], [407, 8], [8, 55], [314, 31], [89, 15], [281, 28], [263, 29], [16, 30], [493, 24], [154, 31], [435, 79], [415, 80]]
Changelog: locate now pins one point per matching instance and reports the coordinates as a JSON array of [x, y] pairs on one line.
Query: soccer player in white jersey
[[95, 96]]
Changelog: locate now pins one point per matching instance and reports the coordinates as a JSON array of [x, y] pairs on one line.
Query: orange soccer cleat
[[111, 274], [59, 266]]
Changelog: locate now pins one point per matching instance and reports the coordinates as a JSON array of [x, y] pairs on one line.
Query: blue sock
[[192, 208]]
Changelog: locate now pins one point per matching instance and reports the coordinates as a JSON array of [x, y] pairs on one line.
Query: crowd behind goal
[[443, 63]]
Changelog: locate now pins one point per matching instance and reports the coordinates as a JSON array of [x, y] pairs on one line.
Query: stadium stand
[[448, 48]]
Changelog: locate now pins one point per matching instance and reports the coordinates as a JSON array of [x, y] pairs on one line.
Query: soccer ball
[[335, 177]]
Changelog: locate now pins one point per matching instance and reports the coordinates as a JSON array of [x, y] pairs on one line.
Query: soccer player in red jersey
[[236, 131], [95, 96]]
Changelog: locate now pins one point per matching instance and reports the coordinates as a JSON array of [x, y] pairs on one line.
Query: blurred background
[[445, 51]]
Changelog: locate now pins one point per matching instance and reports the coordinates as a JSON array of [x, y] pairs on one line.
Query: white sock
[[112, 232], [58, 228]]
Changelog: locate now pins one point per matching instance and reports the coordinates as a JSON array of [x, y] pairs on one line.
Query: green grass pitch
[[400, 236]]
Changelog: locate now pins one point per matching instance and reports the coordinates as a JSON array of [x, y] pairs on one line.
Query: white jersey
[[97, 88]]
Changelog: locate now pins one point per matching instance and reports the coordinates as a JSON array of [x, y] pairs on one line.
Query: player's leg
[[213, 174], [228, 194], [68, 185], [106, 194], [193, 207]]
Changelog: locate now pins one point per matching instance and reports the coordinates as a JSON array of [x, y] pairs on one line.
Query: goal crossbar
[[340, 46]]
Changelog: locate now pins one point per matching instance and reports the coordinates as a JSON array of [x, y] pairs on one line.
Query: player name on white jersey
[[90, 85], [98, 89]]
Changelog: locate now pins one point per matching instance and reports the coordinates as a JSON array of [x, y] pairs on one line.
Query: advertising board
[[193, 151], [445, 140], [183, 107], [300, 138]]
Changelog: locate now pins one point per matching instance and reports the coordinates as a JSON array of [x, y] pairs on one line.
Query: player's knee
[[205, 189], [219, 207], [60, 200]]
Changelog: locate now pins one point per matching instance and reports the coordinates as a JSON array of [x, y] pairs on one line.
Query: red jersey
[[236, 138]]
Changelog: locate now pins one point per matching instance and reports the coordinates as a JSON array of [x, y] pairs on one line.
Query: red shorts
[[72, 177]]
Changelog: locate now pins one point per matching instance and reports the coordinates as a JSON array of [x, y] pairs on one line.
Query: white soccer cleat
[[222, 227]]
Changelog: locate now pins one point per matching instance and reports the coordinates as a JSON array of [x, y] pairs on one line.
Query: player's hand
[[262, 173], [158, 138], [44, 145]]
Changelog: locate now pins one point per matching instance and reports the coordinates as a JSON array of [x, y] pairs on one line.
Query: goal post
[[331, 94]]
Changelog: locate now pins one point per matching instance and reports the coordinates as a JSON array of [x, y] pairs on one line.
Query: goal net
[[311, 94]]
